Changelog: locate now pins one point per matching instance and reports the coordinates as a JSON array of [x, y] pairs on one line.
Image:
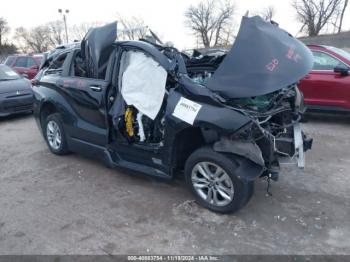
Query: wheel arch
[[185, 143], [47, 108], [190, 139]]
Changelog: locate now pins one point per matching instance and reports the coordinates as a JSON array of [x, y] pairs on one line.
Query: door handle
[[96, 88]]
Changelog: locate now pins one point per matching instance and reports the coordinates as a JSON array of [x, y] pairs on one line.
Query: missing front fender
[[247, 149], [246, 154]]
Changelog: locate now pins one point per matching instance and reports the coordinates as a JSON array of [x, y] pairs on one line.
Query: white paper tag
[[186, 110]]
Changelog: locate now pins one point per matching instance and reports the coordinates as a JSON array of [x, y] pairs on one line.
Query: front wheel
[[211, 178]]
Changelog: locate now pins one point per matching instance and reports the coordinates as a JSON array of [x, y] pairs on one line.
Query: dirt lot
[[73, 205]]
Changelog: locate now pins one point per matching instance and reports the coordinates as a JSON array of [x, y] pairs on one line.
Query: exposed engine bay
[[274, 118], [272, 129]]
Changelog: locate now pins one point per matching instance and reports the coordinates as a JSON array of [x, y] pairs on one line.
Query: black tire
[[62, 149], [242, 190]]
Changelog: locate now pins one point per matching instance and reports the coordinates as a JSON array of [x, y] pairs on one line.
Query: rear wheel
[[54, 135], [211, 178]]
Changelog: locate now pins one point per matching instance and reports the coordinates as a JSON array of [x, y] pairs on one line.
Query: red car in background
[[26, 65], [327, 86]]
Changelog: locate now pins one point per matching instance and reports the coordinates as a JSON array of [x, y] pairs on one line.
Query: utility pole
[[64, 14]]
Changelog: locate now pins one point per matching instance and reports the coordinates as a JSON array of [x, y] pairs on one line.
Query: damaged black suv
[[225, 118]]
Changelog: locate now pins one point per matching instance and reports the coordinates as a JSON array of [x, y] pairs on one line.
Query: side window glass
[[30, 62], [56, 65], [21, 62], [323, 61]]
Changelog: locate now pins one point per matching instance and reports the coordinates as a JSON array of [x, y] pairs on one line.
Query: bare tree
[[345, 4], [77, 32], [268, 13], [316, 14], [132, 28], [5, 50], [211, 21], [41, 38], [36, 39], [4, 29], [56, 32]]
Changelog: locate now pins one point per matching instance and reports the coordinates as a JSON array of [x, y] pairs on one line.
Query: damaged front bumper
[[301, 143], [265, 155]]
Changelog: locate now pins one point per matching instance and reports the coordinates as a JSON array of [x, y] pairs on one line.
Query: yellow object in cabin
[[129, 122]]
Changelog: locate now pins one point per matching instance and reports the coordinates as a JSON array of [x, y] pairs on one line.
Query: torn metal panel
[[299, 145], [94, 43], [247, 149], [151, 50], [263, 59], [221, 119]]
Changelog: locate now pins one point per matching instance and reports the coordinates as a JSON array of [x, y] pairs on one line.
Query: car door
[[144, 154], [85, 98], [322, 87]]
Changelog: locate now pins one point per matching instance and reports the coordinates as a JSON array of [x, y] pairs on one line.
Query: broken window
[[79, 68], [56, 65]]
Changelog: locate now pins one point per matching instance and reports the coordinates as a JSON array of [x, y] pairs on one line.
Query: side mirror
[[342, 70]]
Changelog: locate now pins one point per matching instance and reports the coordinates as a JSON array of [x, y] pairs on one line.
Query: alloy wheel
[[212, 183], [53, 134]]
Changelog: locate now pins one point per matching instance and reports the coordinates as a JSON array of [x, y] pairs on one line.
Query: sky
[[166, 17]]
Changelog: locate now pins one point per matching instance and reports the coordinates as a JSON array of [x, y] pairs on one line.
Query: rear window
[[9, 60], [55, 66]]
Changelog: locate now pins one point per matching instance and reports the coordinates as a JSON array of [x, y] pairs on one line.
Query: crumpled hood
[[263, 59]]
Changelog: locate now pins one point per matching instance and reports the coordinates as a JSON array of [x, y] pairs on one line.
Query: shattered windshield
[[7, 73]]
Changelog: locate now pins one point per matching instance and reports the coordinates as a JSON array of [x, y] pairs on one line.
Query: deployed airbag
[[143, 83]]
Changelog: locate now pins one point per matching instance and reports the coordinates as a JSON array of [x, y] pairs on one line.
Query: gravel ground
[[73, 205]]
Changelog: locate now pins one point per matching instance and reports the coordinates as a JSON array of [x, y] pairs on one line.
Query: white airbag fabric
[[143, 84]]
